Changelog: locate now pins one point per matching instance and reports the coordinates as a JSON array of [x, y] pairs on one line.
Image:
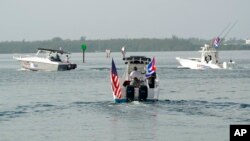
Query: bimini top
[[137, 60], [53, 50]]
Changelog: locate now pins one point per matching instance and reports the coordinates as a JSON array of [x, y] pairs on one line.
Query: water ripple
[[189, 107]]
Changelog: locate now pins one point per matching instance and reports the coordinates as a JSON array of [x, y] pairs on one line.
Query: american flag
[[151, 68], [115, 84], [217, 42]]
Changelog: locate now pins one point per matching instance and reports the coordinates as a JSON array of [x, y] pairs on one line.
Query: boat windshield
[[42, 54], [53, 56]]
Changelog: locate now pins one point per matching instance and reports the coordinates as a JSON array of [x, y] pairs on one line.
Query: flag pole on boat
[[123, 51], [83, 47]]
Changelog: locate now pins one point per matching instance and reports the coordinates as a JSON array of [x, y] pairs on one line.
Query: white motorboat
[[209, 60], [146, 89], [46, 60]]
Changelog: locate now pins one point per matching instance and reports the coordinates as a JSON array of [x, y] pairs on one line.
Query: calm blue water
[[77, 105]]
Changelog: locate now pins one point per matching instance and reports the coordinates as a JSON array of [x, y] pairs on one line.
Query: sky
[[33, 20]]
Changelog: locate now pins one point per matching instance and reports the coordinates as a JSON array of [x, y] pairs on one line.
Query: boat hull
[[44, 65], [195, 64]]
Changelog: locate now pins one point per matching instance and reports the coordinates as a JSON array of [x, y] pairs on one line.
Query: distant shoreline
[[115, 45]]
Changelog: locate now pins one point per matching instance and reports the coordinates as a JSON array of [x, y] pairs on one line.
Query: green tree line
[[143, 44]]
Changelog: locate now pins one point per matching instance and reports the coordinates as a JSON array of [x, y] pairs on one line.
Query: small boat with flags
[[139, 82], [209, 55], [209, 59], [46, 60]]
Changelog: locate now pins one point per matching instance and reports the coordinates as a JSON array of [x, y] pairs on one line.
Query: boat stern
[[228, 65]]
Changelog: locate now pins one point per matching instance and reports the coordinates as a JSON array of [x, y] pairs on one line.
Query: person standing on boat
[[135, 77], [57, 58], [67, 58]]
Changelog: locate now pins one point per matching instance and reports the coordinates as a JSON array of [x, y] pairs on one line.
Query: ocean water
[[77, 105]]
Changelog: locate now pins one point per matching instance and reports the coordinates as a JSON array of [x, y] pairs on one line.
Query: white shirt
[[134, 74]]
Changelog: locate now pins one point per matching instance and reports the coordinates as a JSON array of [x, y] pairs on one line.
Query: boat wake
[[224, 110], [101, 69]]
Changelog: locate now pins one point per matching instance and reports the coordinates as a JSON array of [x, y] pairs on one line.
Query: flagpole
[[83, 56]]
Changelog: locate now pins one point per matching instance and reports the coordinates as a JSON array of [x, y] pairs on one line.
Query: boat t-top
[[47, 60], [144, 87], [209, 60]]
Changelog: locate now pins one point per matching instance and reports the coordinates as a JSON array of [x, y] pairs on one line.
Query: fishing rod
[[229, 30], [224, 30]]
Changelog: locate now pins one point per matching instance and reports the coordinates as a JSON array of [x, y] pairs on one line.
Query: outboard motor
[[71, 66], [143, 93], [130, 93]]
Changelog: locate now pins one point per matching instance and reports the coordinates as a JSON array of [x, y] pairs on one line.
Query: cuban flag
[[216, 42], [151, 68], [115, 84]]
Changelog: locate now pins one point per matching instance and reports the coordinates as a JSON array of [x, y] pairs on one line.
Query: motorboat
[[209, 60], [46, 60], [146, 89]]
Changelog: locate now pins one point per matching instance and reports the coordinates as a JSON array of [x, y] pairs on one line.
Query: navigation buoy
[[83, 47]]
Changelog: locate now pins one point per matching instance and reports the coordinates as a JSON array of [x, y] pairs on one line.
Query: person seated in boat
[[57, 57], [206, 59], [210, 59], [135, 77], [51, 57]]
